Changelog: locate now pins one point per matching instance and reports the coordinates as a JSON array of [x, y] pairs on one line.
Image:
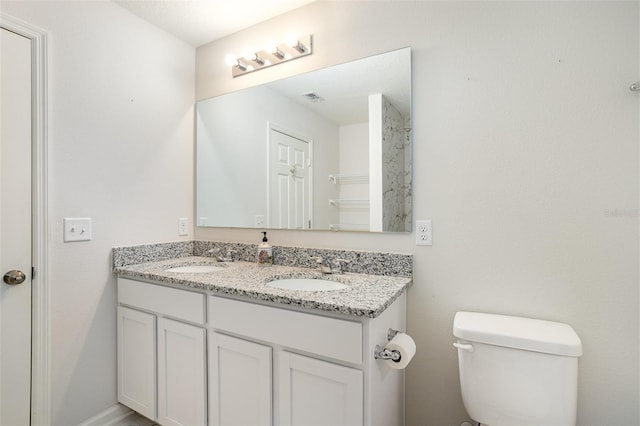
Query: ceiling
[[345, 88], [200, 21]]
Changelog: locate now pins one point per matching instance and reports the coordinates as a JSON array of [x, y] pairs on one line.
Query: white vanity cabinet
[[275, 366], [188, 358], [240, 383], [314, 392], [137, 360], [162, 353]]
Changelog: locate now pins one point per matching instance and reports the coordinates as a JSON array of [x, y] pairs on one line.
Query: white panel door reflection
[[289, 181]]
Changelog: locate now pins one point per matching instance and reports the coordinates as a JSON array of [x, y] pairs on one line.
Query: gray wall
[[526, 159]]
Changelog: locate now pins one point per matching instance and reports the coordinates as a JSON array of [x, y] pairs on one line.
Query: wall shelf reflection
[[348, 179], [349, 204]]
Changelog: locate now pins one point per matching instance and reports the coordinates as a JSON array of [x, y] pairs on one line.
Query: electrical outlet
[[424, 233], [259, 221], [183, 225]]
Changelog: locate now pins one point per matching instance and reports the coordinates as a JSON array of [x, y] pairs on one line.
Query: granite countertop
[[366, 295]]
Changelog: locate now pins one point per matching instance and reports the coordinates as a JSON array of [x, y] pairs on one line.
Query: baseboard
[[109, 416]]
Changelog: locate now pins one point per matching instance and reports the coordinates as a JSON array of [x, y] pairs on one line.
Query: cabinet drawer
[[330, 337], [176, 303]]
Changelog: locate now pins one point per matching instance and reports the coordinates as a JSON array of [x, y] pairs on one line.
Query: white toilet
[[517, 371]]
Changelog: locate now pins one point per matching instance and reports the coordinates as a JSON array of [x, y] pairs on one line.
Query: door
[[137, 361], [289, 181], [15, 228], [240, 382], [181, 374], [319, 393]]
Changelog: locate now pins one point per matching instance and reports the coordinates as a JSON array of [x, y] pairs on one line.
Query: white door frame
[[40, 335]]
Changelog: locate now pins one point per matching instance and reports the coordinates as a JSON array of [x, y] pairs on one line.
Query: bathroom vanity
[[224, 347]]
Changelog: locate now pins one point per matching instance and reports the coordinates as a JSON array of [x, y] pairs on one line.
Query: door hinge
[[33, 273]]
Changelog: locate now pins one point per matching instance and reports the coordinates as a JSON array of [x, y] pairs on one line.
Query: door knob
[[14, 277]]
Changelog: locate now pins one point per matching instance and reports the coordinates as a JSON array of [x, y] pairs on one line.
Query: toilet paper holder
[[381, 352]]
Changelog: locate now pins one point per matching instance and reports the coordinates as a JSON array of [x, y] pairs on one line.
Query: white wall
[[121, 152], [354, 160], [526, 158]]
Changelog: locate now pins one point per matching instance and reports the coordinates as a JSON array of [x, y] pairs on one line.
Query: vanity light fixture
[[292, 40], [293, 47], [235, 63], [273, 49], [254, 57]]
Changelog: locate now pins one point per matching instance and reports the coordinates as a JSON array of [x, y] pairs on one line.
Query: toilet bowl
[[517, 371]]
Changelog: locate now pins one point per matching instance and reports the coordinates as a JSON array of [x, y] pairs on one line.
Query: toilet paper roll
[[404, 344]]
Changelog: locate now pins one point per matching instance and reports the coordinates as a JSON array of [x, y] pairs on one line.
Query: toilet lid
[[519, 333]]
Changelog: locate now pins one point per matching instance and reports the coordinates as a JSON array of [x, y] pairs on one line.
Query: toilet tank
[[517, 371]]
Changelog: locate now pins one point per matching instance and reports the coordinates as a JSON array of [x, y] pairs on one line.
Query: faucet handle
[[337, 264], [324, 266], [230, 254]]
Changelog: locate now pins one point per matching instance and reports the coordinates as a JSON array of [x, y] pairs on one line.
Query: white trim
[[110, 416], [40, 335]]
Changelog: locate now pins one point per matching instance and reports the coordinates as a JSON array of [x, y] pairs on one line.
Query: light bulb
[[271, 47], [249, 55], [231, 59], [291, 40]]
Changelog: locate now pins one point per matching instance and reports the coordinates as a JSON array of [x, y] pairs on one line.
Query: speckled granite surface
[[363, 262], [367, 295], [130, 255]]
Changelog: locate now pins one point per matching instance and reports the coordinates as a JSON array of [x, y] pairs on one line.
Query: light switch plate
[[77, 229]]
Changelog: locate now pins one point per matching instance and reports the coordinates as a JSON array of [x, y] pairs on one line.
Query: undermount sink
[[194, 269], [307, 284]]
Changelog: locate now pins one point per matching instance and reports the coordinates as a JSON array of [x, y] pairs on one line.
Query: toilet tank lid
[[519, 333]]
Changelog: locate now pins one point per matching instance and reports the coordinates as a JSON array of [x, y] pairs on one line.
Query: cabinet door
[[137, 361], [181, 374], [318, 393], [240, 382]]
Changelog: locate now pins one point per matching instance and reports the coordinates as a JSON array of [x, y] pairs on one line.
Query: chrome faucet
[[327, 266], [216, 254]]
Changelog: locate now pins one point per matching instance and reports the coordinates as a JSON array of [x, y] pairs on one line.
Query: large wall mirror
[[325, 150]]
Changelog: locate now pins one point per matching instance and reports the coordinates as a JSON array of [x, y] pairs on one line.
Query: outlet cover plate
[[424, 233], [183, 226]]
